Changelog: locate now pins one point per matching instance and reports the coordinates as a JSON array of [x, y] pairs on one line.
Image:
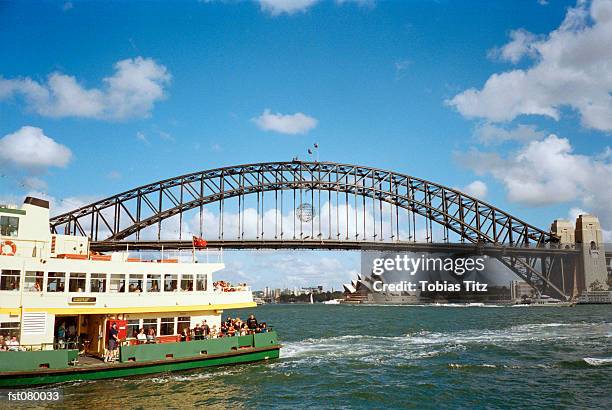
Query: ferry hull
[[122, 370]]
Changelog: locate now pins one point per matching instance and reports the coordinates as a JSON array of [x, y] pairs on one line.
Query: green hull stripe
[[110, 371]]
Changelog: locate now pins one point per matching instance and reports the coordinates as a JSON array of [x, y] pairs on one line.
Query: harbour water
[[397, 356]]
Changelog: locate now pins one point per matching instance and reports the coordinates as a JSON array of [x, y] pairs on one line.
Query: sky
[[509, 101]]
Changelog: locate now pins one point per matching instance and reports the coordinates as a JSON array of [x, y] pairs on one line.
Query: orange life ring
[[10, 244]]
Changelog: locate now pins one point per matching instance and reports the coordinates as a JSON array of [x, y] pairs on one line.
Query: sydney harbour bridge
[[323, 205]]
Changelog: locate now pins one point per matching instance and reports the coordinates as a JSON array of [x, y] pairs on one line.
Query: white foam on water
[[595, 361], [423, 344], [461, 366], [203, 374]]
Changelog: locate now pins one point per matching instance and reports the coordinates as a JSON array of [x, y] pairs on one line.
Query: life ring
[[8, 244]]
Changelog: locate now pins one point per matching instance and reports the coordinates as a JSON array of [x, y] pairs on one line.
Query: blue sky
[[149, 90]]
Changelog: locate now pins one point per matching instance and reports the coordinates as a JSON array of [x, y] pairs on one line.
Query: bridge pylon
[[587, 272]]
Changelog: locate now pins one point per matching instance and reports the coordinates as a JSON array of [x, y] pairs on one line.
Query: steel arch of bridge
[[472, 219], [112, 220]]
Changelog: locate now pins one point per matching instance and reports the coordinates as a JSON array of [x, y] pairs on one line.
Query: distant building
[[520, 290], [313, 289]]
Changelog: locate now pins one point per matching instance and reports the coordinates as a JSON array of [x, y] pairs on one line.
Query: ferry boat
[[60, 303], [545, 300]]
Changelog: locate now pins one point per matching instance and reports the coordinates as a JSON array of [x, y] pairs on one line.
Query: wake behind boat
[[70, 314]]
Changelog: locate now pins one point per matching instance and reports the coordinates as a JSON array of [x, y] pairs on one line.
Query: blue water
[[397, 357]]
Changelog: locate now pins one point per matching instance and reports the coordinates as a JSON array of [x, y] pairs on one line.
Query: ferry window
[[117, 283], [133, 326], [135, 284], [167, 326], [9, 279], [150, 324], [98, 282], [77, 282], [182, 323], [56, 282], [9, 329], [34, 281], [9, 225], [153, 282], [187, 282], [170, 282], [201, 282]]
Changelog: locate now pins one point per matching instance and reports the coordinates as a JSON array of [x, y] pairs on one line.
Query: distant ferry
[[61, 304], [545, 300]]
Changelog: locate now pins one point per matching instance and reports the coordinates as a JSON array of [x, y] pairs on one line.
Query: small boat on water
[[547, 301], [69, 314]]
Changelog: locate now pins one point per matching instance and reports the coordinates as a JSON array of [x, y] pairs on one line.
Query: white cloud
[[547, 172], [291, 268], [477, 189], [297, 123], [488, 133], [522, 44], [31, 149], [130, 92], [572, 68], [277, 7], [290, 7]]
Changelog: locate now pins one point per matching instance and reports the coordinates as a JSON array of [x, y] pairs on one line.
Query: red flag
[[199, 242]]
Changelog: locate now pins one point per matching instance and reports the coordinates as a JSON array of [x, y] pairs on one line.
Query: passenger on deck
[[205, 329], [252, 322], [141, 336], [151, 335], [113, 342], [198, 332], [2, 345], [185, 334], [13, 345], [61, 335]]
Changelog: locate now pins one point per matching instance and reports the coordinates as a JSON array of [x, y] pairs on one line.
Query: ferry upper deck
[[46, 279]]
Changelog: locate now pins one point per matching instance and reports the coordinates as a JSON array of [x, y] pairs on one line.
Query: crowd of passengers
[[223, 286], [229, 327], [10, 344]]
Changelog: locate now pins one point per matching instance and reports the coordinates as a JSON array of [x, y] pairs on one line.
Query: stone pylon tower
[[593, 265]]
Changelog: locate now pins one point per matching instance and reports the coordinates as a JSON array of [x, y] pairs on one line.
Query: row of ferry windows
[[102, 282], [165, 326]]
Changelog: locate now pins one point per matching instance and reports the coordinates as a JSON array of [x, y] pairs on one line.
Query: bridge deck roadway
[[493, 250]]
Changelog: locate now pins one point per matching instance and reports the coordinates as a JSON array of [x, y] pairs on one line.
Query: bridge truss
[[318, 205]]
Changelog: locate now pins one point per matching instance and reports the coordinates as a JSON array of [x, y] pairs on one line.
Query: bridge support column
[[592, 269]]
